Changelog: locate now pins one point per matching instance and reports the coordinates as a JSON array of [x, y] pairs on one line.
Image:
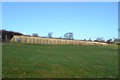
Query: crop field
[[59, 61]]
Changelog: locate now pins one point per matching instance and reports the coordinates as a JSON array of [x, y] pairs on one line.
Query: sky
[[60, 0], [84, 19]]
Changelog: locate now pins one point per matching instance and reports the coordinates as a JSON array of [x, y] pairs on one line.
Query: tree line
[[69, 36], [7, 36]]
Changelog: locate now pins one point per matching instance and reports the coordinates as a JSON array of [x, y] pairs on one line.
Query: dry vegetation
[[39, 40]]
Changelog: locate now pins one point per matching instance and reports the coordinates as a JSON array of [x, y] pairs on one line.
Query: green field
[[59, 61]]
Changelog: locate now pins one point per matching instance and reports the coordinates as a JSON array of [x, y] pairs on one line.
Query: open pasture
[[59, 61]]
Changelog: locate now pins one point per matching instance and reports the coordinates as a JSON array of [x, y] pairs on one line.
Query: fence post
[[6, 37]]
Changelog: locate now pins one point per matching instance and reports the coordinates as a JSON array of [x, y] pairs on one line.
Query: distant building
[[7, 35]]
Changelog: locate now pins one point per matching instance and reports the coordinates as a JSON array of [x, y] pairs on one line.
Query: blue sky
[[85, 19]]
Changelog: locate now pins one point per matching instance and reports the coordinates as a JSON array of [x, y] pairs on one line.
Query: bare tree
[[84, 40], [69, 36], [116, 41], [35, 34], [109, 41], [50, 35], [89, 39], [98, 39]]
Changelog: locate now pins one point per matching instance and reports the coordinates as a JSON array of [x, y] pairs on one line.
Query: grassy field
[[59, 61]]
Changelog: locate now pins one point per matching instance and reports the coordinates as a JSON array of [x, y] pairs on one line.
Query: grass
[[59, 61]]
